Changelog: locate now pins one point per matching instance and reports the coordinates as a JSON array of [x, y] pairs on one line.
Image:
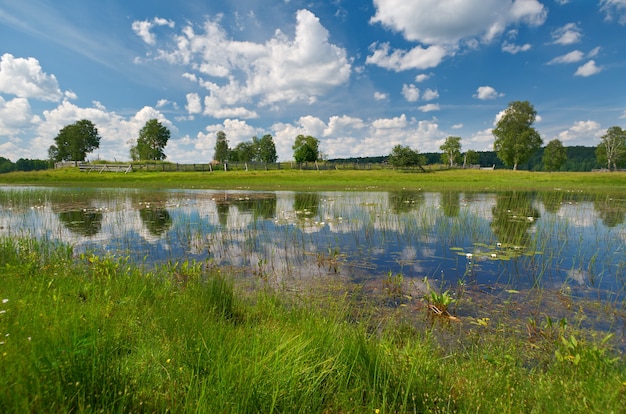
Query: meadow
[[374, 179], [86, 332]]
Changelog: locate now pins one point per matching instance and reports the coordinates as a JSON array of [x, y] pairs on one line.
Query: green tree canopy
[[243, 152], [306, 149], [451, 150], [221, 147], [612, 148], [554, 155], [267, 149], [515, 138], [404, 156], [75, 141], [152, 140], [470, 157]]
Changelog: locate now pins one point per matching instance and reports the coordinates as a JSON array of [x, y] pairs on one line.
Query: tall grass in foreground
[[98, 334]]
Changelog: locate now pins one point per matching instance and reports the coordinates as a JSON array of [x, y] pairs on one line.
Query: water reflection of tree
[[611, 211], [551, 200], [451, 203], [83, 222], [306, 205], [157, 220], [513, 216], [405, 201], [259, 205]]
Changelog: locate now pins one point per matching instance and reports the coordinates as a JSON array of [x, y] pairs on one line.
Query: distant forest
[[22, 164], [579, 158]]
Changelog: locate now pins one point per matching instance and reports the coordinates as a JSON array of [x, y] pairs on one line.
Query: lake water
[[570, 243]]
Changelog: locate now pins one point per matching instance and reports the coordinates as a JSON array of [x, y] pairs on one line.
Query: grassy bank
[[98, 334], [326, 180]]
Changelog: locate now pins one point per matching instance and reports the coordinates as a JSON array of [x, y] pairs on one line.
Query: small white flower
[[469, 255], [5, 300]]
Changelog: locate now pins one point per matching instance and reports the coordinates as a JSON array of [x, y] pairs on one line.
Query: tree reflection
[[513, 216], [405, 201], [157, 220], [551, 200], [84, 222], [611, 211], [451, 203], [306, 205]]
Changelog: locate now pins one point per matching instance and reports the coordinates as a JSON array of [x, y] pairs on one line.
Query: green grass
[[97, 334], [327, 180]]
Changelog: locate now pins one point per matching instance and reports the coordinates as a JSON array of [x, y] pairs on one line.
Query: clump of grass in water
[[438, 302]]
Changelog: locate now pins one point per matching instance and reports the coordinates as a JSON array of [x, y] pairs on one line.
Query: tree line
[[516, 144]]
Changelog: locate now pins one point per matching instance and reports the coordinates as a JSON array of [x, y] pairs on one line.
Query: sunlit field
[[306, 291]]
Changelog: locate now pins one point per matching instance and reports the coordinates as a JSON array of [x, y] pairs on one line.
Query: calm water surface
[[498, 241]]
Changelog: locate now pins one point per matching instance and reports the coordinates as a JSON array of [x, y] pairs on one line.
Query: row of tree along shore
[[517, 144]]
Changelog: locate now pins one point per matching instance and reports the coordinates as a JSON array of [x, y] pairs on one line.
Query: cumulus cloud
[[410, 92], [422, 77], [144, 28], [430, 94], [571, 57], [515, 49], [401, 60], [582, 132], [443, 22], [429, 107], [238, 74], [380, 96], [194, 103], [614, 9], [487, 92], [588, 69], [24, 78], [567, 35], [15, 116]]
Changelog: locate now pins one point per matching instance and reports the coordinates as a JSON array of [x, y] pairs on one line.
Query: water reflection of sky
[[507, 240]]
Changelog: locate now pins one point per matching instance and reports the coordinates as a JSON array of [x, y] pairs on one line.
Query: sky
[[362, 76]]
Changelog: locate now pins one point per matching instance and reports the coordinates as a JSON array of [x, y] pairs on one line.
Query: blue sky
[[361, 76]]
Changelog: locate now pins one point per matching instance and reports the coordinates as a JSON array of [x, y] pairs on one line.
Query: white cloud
[[487, 92], [144, 28], [380, 96], [194, 104], [429, 107], [401, 60], [430, 94], [613, 9], [514, 49], [422, 77], [567, 35], [588, 69], [15, 116], [623, 115], [410, 92], [244, 73], [457, 126], [446, 22], [24, 78], [582, 133], [571, 57]]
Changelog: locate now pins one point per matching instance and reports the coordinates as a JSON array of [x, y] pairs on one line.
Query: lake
[[570, 245]]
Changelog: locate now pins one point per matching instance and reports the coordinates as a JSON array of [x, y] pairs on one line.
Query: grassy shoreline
[[96, 334], [351, 180]]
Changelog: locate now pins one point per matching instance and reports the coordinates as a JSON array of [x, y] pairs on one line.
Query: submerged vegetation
[[91, 334]]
